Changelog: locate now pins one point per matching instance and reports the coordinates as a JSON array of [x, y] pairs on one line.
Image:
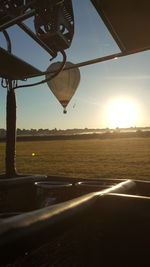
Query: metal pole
[[35, 38], [11, 132], [105, 58], [17, 20], [10, 123]]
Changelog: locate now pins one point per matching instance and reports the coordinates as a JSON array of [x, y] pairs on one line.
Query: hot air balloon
[[64, 85]]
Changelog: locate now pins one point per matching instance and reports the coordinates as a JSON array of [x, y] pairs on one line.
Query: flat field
[[94, 158]]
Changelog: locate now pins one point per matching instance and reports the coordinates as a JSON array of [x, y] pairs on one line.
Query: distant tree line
[[55, 131]]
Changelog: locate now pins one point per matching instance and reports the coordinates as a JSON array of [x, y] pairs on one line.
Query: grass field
[[96, 158]]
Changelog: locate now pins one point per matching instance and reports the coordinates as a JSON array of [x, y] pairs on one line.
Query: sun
[[122, 113]]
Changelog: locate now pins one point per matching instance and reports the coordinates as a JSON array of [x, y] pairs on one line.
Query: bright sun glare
[[121, 113]]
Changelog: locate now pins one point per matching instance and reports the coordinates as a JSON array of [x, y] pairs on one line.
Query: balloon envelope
[[65, 83]]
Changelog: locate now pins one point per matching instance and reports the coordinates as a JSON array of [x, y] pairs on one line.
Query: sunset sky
[[111, 94]]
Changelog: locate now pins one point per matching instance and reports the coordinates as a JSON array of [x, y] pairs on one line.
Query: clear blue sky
[[101, 84]]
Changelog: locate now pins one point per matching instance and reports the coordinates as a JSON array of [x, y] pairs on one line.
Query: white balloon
[[64, 85]]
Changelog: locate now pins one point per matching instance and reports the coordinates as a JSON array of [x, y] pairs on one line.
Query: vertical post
[[10, 123], [11, 132]]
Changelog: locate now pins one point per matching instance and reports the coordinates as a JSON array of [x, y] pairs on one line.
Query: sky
[[111, 94]]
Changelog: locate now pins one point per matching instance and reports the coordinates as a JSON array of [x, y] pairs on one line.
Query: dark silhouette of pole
[[11, 132], [10, 123]]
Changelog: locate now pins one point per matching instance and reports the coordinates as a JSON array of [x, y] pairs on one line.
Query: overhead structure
[[11, 67], [53, 21], [128, 22], [54, 24]]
